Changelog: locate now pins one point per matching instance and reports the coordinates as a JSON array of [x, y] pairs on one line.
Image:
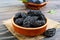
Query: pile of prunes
[[31, 19]]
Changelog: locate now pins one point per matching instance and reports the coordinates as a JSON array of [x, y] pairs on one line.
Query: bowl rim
[[29, 3], [26, 27]]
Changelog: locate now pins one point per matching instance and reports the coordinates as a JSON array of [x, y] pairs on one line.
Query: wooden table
[[52, 4]]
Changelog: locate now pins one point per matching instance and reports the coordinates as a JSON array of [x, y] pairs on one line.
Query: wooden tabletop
[[52, 5]]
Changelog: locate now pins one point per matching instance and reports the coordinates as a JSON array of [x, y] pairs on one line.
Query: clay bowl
[[28, 31], [34, 6]]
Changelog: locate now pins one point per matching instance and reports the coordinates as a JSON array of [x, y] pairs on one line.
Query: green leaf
[[25, 0], [51, 11]]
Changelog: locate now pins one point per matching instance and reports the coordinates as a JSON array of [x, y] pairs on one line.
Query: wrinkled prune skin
[[17, 15], [39, 23], [38, 2], [20, 15], [37, 13], [19, 21], [42, 17], [26, 21], [24, 15], [34, 13], [29, 21], [50, 32]]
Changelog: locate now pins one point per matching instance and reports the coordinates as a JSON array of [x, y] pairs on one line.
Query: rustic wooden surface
[[52, 4]]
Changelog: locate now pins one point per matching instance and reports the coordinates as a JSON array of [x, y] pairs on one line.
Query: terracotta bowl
[[28, 31], [34, 6]]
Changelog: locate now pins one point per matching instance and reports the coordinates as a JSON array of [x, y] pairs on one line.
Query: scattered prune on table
[[19, 21], [50, 32]]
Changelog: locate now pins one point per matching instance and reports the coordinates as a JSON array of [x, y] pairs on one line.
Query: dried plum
[[17, 15], [39, 23], [34, 13], [31, 13], [42, 17], [19, 21], [20, 15], [28, 21], [38, 2], [50, 32], [24, 15]]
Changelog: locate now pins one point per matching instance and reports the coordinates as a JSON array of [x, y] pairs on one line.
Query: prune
[[31, 13], [34, 17], [28, 21], [32, 21], [42, 17], [24, 15], [19, 21], [34, 13], [37, 13], [38, 2], [39, 23], [17, 15], [30, 0], [20, 15], [50, 32]]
